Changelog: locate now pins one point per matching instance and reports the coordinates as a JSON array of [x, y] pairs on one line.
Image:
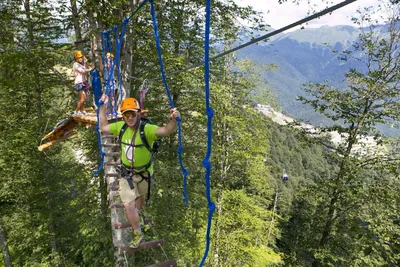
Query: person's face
[[80, 60], [130, 118]]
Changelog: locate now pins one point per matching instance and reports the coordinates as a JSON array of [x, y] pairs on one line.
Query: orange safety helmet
[[78, 54], [129, 104]]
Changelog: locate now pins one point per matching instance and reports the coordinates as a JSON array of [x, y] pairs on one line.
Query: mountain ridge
[[304, 56]]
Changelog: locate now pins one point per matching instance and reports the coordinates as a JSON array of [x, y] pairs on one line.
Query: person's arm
[[82, 68], [171, 126], [104, 126]]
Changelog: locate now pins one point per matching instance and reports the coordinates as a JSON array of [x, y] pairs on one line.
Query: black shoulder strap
[[143, 123], [122, 131]]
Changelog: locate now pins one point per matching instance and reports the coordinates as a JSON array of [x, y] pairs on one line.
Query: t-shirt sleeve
[[115, 128], [150, 131]]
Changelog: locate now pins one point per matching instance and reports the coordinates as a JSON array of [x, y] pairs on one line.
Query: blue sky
[[280, 15]]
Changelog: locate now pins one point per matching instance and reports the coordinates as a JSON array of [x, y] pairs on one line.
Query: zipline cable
[[210, 114], [256, 40]]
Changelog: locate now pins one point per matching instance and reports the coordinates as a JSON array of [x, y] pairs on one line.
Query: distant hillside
[[305, 56]]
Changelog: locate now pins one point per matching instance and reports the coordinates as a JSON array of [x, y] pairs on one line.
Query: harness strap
[[129, 144], [127, 174]]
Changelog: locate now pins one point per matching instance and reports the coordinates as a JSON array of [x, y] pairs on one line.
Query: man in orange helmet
[[80, 72], [136, 158]]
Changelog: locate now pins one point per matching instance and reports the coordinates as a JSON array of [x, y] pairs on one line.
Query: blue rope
[[210, 114], [107, 71], [107, 47], [110, 80], [119, 45], [180, 148], [102, 154]]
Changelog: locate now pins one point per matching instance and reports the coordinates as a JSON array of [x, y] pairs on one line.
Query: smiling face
[[130, 117]]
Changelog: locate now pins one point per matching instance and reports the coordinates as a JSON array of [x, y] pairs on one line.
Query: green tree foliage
[[40, 192], [351, 219], [55, 210]]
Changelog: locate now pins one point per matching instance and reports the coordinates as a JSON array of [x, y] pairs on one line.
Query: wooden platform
[[66, 128]]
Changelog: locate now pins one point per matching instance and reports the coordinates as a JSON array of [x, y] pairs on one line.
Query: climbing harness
[[129, 174]]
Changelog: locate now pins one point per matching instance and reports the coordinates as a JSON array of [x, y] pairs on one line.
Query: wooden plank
[[112, 163], [90, 118], [145, 245], [61, 129], [112, 175], [113, 154], [49, 144], [111, 145], [167, 263], [121, 225], [104, 136], [117, 205], [124, 225]]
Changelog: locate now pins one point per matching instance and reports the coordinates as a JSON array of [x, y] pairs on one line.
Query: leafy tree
[[337, 225]]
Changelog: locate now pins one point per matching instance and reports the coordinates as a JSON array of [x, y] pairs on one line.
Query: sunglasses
[[126, 115]]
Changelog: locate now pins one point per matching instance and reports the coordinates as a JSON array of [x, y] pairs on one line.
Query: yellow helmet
[[129, 104], [110, 54], [78, 54]]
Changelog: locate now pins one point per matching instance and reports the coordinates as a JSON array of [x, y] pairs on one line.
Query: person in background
[[80, 70]]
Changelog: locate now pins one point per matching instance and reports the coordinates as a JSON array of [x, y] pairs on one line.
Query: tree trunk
[[273, 214], [217, 228], [77, 27], [53, 242], [127, 56], [224, 167], [4, 247], [35, 71], [95, 40]]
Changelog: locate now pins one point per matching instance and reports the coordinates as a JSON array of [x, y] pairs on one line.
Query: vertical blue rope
[[110, 79], [210, 114], [121, 40], [180, 148], [107, 47], [96, 84]]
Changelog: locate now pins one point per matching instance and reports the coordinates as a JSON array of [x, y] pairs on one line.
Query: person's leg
[[133, 218], [140, 202], [82, 100], [132, 215]]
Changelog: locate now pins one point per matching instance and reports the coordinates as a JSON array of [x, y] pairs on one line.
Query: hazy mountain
[[305, 56]]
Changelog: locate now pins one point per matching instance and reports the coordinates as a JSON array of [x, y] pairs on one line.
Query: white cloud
[[280, 15]]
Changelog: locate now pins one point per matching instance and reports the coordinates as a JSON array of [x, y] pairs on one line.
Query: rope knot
[[180, 149], [185, 172], [210, 112], [206, 164], [211, 206]]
